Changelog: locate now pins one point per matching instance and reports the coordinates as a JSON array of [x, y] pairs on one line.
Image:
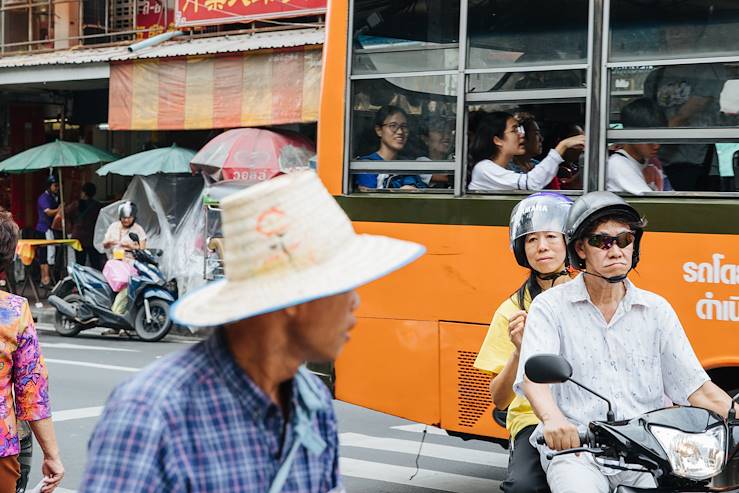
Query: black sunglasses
[[605, 242]]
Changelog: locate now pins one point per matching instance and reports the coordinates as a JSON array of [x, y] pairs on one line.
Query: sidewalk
[[44, 316]]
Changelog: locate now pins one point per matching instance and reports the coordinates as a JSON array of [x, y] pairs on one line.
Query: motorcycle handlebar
[[584, 438]]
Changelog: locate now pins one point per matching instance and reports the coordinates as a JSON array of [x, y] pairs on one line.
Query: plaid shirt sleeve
[[126, 449]]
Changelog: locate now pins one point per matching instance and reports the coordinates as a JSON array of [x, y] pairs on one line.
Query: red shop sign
[[205, 12]]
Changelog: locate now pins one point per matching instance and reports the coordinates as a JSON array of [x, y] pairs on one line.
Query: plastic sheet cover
[[166, 203]]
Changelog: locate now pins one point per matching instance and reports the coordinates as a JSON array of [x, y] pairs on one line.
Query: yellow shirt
[[494, 354]]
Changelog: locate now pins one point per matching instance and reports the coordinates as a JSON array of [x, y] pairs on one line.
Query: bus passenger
[[498, 139], [537, 238], [391, 127], [533, 142], [438, 137], [627, 167]]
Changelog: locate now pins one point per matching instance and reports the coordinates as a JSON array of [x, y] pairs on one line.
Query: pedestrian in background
[[83, 214], [239, 412], [24, 381], [47, 206]]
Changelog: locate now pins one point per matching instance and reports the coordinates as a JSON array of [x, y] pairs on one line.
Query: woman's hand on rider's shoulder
[[515, 328], [560, 433]]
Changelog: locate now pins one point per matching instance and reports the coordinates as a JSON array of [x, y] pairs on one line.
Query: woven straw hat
[[287, 242]]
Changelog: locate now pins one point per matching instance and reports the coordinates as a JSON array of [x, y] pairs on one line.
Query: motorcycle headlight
[[693, 455]]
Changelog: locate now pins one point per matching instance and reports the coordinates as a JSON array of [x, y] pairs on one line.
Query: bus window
[[405, 36], [660, 29], [685, 109], [402, 131], [535, 32], [522, 81], [542, 127]]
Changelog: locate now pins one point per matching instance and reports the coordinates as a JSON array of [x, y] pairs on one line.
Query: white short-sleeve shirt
[[635, 360]]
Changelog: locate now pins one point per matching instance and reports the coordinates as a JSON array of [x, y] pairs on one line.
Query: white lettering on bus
[[710, 309], [712, 272]]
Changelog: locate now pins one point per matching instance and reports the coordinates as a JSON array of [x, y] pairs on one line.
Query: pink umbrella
[[253, 154]]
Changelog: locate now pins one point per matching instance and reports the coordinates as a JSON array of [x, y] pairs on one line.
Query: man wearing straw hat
[[239, 412]]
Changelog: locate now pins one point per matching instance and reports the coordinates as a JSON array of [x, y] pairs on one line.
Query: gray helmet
[[590, 208], [543, 211], [127, 209]]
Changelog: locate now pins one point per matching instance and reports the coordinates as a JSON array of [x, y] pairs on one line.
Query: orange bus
[[571, 64]]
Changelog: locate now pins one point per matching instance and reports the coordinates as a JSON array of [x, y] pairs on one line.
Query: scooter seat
[[92, 272]]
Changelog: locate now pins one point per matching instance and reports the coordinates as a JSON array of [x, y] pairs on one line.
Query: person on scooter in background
[[118, 241], [117, 236], [623, 342], [536, 233]]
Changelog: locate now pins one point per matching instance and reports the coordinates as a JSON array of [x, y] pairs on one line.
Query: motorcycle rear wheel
[[64, 325], [160, 322]]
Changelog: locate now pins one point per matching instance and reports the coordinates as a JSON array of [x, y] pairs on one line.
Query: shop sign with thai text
[[206, 12]]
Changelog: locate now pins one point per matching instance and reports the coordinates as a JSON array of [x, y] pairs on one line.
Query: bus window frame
[[596, 95]]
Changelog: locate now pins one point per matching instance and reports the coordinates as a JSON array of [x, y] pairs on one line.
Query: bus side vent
[[473, 389]]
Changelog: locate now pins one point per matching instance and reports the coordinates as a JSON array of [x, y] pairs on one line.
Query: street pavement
[[378, 452]]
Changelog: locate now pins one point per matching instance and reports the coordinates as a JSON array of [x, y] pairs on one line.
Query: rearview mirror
[[134, 237], [548, 368]]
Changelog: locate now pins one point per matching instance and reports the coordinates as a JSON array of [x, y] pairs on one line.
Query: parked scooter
[[683, 448], [84, 300]]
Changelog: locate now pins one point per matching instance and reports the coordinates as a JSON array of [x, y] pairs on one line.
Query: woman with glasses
[[536, 233], [391, 128], [533, 144], [500, 137]]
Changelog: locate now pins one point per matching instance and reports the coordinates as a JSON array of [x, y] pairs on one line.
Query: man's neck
[[602, 293], [262, 351], [633, 153]]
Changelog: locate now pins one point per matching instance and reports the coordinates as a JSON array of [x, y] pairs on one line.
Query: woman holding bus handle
[[498, 138], [537, 239]]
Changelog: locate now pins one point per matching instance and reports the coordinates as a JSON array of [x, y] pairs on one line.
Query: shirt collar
[[580, 292], [239, 383]]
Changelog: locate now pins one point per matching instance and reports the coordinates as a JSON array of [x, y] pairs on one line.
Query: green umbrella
[[57, 154], [171, 159]]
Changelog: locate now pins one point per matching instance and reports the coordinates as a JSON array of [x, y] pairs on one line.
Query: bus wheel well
[[727, 378]]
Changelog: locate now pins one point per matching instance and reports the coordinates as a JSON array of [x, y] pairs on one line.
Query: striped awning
[[249, 89]]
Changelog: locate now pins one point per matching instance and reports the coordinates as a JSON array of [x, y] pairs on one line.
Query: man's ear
[[378, 131], [580, 249]]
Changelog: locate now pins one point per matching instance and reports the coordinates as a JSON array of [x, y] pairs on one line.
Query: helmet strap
[[552, 276], [612, 279]]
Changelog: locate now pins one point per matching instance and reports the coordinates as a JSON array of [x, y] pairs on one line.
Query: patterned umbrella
[[253, 154], [165, 160]]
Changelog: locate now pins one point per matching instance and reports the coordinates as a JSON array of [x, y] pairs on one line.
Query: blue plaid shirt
[[195, 422]]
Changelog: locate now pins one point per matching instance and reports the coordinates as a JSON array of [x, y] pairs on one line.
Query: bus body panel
[[392, 366]]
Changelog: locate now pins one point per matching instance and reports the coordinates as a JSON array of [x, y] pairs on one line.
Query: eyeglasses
[[518, 129], [394, 127], [605, 242]]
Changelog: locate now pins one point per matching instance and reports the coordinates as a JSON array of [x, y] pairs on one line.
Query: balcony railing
[[33, 25]]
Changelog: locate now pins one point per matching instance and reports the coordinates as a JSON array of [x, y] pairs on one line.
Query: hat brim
[[365, 259]]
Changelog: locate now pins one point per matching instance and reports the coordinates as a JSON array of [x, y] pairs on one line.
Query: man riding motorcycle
[[621, 341]]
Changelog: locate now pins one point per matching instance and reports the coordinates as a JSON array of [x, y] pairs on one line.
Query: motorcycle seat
[[92, 272]]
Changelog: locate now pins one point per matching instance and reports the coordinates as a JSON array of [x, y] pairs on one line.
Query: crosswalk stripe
[[79, 413], [92, 365], [436, 480], [419, 427], [64, 345], [446, 452]]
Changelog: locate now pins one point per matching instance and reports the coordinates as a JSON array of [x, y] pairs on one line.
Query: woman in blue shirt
[[391, 127]]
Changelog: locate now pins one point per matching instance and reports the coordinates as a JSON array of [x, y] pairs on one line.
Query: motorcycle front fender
[[159, 293]]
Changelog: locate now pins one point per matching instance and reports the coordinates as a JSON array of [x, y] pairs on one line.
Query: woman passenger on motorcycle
[[537, 239], [117, 237]]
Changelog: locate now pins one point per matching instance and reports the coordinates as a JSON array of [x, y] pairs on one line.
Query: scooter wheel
[[159, 325], [64, 325]]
